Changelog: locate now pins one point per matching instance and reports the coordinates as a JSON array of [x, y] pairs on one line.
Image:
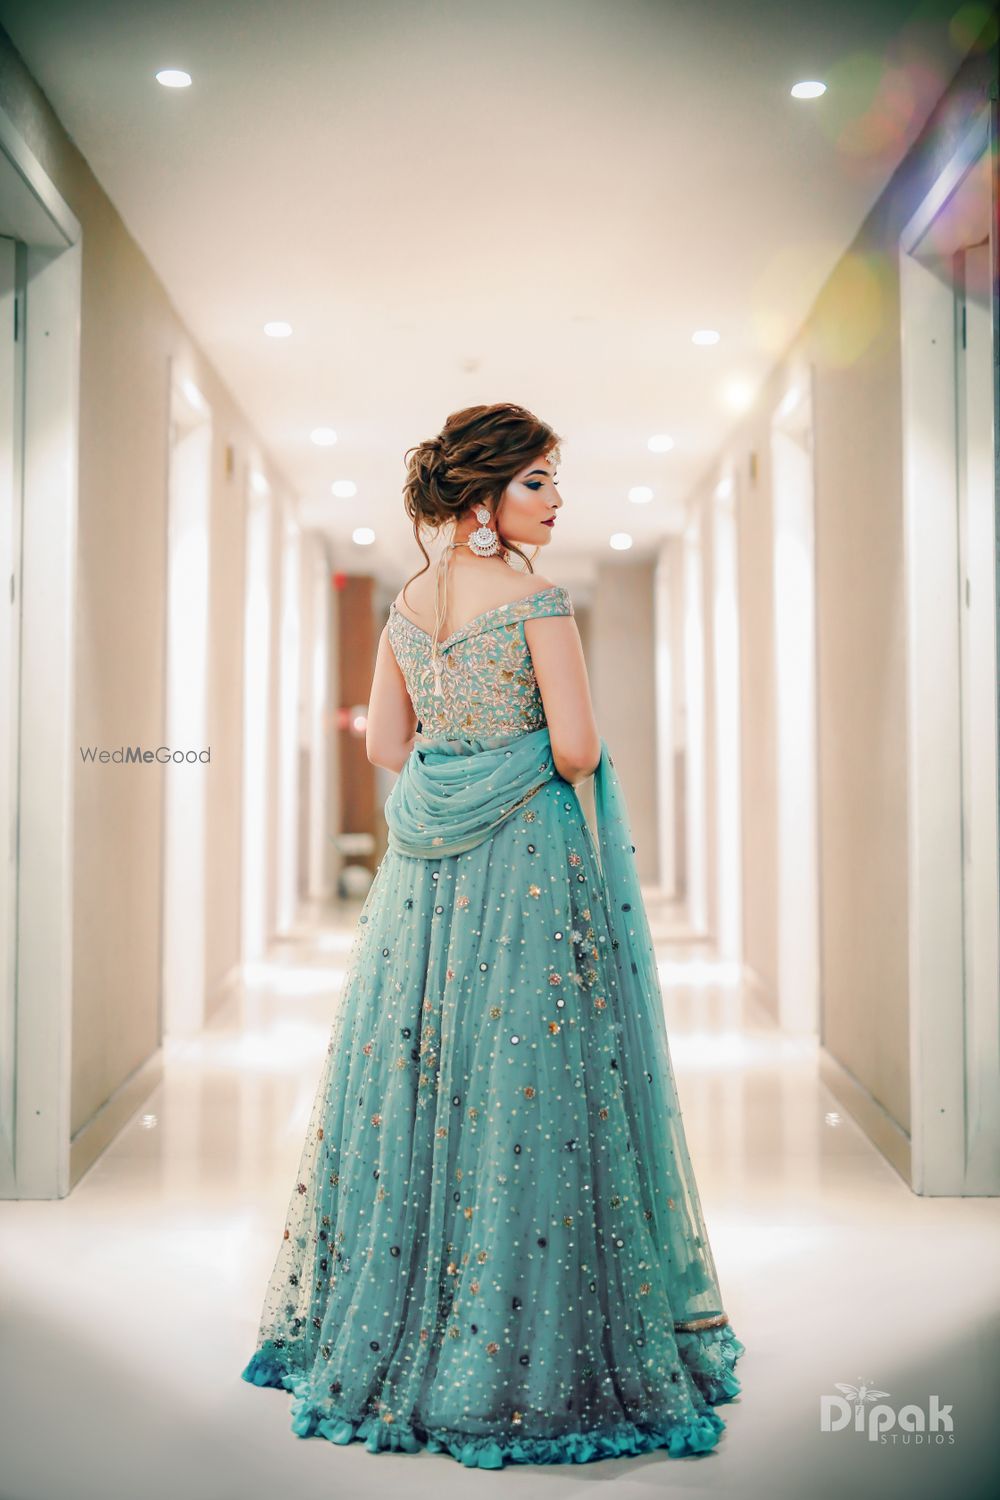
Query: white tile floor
[[128, 1309]]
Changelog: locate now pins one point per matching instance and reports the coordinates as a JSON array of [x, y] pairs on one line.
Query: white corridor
[[131, 1306]]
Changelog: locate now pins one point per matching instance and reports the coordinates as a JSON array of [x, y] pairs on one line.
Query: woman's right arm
[[561, 672]]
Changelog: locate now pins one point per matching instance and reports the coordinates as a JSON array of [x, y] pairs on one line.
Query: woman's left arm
[[391, 722]]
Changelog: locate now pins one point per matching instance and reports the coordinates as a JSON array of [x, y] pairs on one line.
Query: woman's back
[[467, 586], [494, 1246], [486, 684]]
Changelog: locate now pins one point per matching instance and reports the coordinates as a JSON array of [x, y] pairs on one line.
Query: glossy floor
[[128, 1309]]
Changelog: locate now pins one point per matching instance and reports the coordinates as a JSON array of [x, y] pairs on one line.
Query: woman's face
[[530, 502]]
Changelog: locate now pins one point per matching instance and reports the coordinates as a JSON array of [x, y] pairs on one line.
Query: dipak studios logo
[[863, 1408]]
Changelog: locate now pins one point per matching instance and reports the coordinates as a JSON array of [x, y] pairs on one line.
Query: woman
[[495, 1247]]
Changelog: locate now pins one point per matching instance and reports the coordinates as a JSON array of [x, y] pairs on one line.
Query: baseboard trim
[[759, 993], [879, 1126], [92, 1139], [230, 986]]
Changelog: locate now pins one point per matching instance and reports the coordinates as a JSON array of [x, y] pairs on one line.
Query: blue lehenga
[[495, 1246]]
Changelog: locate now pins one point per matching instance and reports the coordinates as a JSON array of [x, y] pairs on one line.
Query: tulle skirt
[[494, 1246]]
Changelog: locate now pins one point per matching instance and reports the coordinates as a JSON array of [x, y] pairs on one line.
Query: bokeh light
[[884, 126], [974, 28], [788, 280], [852, 310], [879, 105]]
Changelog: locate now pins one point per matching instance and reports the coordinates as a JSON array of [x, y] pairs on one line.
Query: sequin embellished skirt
[[494, 1247]]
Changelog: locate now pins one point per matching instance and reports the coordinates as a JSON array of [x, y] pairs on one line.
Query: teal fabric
[[495, 1247]]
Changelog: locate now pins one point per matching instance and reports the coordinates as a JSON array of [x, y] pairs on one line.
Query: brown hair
[[471, 462]]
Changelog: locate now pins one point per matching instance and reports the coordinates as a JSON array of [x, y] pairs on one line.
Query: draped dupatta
[[450, 795]]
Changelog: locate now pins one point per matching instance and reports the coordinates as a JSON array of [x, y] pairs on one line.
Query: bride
[[495, 1247]]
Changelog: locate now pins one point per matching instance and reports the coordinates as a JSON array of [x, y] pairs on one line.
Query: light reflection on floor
[[129, 1308]]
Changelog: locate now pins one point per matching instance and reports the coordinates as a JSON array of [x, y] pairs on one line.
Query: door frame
[[37, 215], [695, 726], [937, 1003], [667, 686], [290, 696], [255, 905], [726, 680], [187, 549], [793, 520]]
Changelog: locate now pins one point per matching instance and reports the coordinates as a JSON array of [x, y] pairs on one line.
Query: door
[[795, 693], [949, 282], [11, 391], [977, 547], [185, 844]]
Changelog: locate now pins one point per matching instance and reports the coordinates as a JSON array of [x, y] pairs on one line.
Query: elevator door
[[11, 386], [975, 386]]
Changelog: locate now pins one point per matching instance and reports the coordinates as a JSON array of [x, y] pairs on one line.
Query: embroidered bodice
[[488, 684]]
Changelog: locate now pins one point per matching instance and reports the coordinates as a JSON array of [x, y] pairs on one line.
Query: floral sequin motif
[[488, 682], [477, 1256]]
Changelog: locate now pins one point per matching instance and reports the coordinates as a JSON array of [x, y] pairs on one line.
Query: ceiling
[[522, 200]]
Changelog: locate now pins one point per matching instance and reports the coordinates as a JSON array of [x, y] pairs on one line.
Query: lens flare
[[879, 102], [787, 281], [883, 126], [851, 312], [974, 28]]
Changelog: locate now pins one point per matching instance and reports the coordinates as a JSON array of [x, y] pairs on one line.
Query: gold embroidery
[[476, 698], [719, 1320]]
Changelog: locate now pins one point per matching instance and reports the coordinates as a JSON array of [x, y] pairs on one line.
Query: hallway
[[697, 304], [136, 1297]]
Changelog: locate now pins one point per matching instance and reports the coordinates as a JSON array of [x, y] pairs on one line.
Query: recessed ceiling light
[[323, 437], [724, 489], [363, 535], [278, 330], [660, 443], [620, 541], [738, 395], [344, 488], [705, 336], [640, 494], [174, 78], [194, 396], [258, 483], [808, 90], [789, 401]]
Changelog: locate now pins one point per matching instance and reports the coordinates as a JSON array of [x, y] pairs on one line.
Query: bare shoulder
[[501, 584], [473, 592], [550, 597], [534, 583], [554, 602]]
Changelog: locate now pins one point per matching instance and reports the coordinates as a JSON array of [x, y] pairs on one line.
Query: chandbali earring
[[484, 541]]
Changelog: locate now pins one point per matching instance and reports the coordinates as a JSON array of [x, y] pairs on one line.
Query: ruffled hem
[[380, 1436], [265, 1368], [709, 1354]]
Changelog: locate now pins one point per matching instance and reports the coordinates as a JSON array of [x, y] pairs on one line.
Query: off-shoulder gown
[[495, 1247]]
